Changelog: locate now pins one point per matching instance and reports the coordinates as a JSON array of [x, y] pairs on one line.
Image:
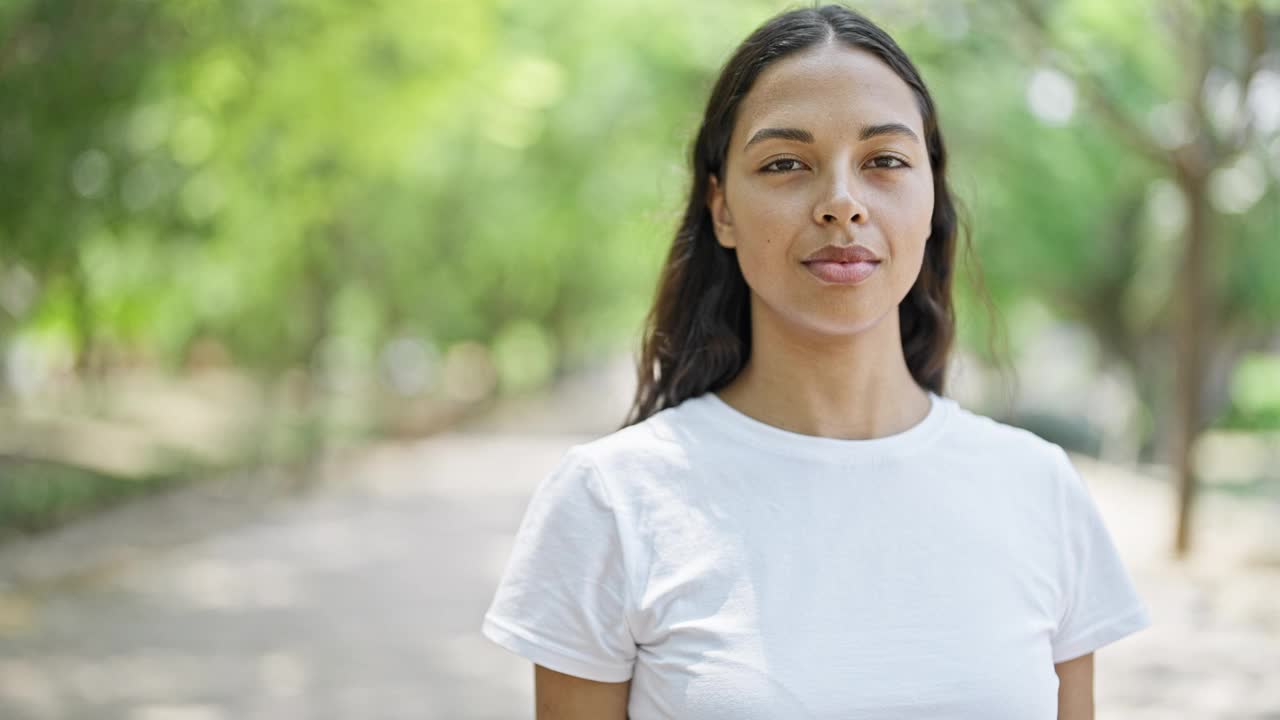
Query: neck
[[853, 387]]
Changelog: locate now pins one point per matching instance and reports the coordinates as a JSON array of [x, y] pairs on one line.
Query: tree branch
[[1254, 29], [1092, 89], [1198, 157]]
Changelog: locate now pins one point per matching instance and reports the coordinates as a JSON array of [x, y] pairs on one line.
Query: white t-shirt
[[733, 569]]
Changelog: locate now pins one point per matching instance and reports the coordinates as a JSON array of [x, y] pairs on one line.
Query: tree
[[1217, 95]]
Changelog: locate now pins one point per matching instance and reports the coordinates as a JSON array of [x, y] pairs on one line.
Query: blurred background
[[299, 299]]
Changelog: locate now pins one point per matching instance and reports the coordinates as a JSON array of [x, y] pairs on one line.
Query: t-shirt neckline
[[729, 419]]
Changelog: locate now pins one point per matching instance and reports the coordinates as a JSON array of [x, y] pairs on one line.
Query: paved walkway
[[363, 599]]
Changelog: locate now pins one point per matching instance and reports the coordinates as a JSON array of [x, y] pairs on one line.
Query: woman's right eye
[[782, 165]]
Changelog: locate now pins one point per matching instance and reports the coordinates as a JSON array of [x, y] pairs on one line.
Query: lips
[[843, 254], [842, 273], [847, 265]]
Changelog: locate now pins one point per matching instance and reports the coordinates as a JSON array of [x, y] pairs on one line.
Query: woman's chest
[[865, 650], [880, 610]]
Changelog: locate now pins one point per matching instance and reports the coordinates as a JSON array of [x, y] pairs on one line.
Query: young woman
[[796, 523]]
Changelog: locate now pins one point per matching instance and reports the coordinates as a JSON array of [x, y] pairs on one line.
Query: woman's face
[[827, 154]]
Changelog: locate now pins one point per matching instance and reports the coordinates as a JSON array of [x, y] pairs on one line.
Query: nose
[[839, 205]]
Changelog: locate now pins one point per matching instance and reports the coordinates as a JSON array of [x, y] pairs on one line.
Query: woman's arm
[[1075, 688], [567, 697]]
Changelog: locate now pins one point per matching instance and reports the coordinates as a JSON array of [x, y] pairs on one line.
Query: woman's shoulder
[[665, 436], [981, 435]]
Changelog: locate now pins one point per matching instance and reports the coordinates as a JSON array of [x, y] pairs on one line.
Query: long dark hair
[[698, 333]]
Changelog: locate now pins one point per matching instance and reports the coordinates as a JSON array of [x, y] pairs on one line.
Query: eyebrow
[[798, 135]]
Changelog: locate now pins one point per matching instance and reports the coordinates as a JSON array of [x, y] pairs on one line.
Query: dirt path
[[363, 599]]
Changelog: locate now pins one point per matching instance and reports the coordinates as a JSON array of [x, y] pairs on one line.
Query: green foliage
[[275, 175], [35, 495], [1255, 394]]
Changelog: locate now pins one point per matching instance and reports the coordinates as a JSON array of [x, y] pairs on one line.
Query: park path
[[363, 598]]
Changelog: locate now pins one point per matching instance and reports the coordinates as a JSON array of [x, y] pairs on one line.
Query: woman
[[796, 522]]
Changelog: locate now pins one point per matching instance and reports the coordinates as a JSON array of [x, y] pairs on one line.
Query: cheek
[[912, 216], [764, 224], [764, 214], [926, 211], [758, 262], [909, 229]]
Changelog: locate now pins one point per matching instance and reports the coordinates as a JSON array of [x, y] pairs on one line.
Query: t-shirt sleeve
[[1099, 602], [563, 599]]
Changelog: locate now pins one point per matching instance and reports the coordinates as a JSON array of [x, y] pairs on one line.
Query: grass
[[36, 495]]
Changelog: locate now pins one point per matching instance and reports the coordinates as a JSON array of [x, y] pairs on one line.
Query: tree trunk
[[1192, 315]]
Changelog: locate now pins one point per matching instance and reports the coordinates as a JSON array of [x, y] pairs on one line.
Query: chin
[[830, 319], [847, 329], [845, 324]]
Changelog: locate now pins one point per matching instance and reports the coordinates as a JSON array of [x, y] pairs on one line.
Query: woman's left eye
[[895, 162], [782, 165]]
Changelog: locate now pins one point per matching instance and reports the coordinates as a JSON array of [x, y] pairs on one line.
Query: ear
[[721, 220]]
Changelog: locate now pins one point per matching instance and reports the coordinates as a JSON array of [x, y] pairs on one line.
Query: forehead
[[830, 84]]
